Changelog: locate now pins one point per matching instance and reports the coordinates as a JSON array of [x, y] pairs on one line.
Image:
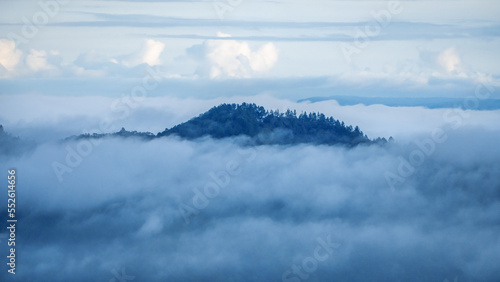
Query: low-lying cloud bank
[[211, 210], [45, 118]]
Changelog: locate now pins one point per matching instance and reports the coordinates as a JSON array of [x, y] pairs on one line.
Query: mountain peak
[[268, 127], [259, 126]]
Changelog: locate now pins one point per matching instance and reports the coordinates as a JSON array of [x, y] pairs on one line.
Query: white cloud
[[281, 202], [9, 55], [37, 60], [150, 54], [14, 63], [232, 58], [26, 113], [449, 60], [431, 65]]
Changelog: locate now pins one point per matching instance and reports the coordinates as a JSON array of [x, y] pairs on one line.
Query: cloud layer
[[42, 63], [224, 58], [309, 37], [129, 197], [256, 213], [33, 116], [9, 55]]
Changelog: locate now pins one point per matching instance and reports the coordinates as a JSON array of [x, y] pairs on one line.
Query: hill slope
[[259, 126], [268, 127], [11, 145]]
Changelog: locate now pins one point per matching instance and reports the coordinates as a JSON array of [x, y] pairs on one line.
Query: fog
[[422, 208], [49, 118]]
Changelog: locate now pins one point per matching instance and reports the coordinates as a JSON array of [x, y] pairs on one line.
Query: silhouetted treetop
[[268, 127], [12, 145], [261, 126]]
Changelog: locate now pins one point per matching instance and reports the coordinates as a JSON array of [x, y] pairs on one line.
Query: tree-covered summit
[[268, 127], [259, 126]]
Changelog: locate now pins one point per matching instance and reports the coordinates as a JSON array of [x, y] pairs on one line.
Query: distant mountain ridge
[[259, 126], [427, 102], [11, 145]]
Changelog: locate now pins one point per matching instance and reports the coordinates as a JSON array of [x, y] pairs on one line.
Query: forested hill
[[11, 145], [260, 126], [269, 127], [7, 142]]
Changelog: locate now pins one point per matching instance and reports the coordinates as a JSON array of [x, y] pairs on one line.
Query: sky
[[353, 48], [423, 207]]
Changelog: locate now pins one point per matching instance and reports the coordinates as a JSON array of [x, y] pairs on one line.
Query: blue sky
[[298, 48]]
